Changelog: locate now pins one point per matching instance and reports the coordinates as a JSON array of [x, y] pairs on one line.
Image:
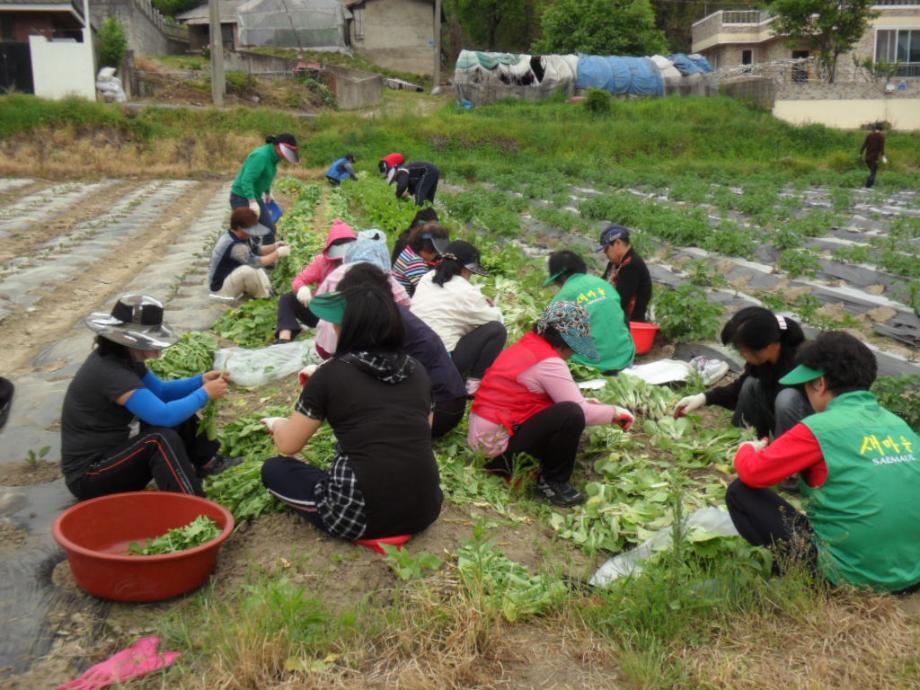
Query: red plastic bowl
[[643, 335], [96, 535]]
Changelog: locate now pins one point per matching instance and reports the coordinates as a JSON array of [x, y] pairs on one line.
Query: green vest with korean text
[[615, 346], [866, 516]]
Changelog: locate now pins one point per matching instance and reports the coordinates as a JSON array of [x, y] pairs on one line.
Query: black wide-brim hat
[[136, 321]]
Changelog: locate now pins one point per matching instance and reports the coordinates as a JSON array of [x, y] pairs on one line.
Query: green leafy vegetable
[[199, 531]]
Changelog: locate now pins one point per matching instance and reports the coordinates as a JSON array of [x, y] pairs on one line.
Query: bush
[[685, 314], [113, 44], [240, 83], [901, 395], [598, 102]]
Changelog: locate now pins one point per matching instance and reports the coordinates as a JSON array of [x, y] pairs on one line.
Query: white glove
[[885, 160], [688, 404], [254, 205], [623, 418], [271, 422], [758, 445], [304, 296], [283, 251]]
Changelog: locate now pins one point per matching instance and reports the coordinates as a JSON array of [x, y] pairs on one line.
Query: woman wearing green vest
[[615, 347], [859, 469], [253, 185]]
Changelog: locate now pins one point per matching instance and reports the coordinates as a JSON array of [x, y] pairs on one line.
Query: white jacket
[[452, 310]]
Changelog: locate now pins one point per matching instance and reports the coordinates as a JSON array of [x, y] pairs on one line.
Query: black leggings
[[447, 415], [291, 313], [169, 456], [764, 518], [476, 351], [551, 436]]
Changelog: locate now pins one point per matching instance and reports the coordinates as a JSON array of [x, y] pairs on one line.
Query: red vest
[[501, 399], [394, 159]]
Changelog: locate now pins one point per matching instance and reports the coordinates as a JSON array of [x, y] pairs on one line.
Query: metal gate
[[15, 67]]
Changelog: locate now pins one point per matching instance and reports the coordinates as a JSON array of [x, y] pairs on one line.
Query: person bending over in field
[[469, 325], [859, 469], [389, 163], [383, 480], [421, 254], [293, 307], [769, 343], [418, 179], [529, 403], [237, 264], [615, 346], [342, 169], [447, 390], [121, 426]]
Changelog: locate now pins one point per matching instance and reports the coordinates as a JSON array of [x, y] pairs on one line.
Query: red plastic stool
[[377, 544]]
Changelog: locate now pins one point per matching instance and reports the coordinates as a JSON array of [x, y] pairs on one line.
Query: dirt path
[[63, 305]]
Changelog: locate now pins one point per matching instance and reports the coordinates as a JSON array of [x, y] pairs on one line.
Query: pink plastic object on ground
[[137, 660], [377, 544]]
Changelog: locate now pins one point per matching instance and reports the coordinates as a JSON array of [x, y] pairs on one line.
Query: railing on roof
[[895, 2], [744, 16]]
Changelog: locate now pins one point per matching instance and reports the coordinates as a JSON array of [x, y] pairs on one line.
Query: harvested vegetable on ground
[[199, 531]]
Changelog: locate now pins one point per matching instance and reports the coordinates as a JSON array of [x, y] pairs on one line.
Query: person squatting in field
[[383, 480], [529, 403], [421, 254], [470, 326], [610, 332], [294, 306], [858, 466], [341, 170], [238, 260], [769, 344], [121, 426], [253, 184]]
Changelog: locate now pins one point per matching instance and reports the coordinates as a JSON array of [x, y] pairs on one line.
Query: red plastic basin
[[96, 535], [643, 335], [377, 544]]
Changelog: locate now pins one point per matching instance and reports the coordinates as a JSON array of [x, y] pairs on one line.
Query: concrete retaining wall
[[146, 29], [902, 113], [758, 91], [353, 89], [62, 69]]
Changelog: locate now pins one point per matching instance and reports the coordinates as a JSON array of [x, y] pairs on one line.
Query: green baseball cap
[[329, 307], [801, 374]]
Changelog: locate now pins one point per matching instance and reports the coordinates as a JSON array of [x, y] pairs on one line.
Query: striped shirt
[[409, 268]]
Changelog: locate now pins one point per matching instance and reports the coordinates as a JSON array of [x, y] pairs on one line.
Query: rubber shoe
[[560, 494], [218, 464]]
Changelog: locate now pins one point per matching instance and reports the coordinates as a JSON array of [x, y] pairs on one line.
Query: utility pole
[[217, 53], [436, 74]]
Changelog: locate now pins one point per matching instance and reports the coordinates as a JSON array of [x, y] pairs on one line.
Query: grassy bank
[[643, 141]]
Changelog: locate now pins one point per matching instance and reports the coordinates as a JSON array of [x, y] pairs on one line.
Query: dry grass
[[848, 641]]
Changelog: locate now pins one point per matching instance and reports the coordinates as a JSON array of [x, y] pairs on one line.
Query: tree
[[601, 27], [495, 24], [112, 43], [831, 27]]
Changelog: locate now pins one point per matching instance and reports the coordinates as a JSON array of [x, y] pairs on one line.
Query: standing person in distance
[[419, 179], [858, 466], [872, 151], [627, 272], [341, 170], [769, 344], [253, 185]]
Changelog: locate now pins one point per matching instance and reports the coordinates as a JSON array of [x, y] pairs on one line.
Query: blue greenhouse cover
[[620, 75], [688, 65]]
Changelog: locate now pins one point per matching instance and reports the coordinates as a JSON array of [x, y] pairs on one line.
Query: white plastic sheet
[[705, 523], [252, 368]]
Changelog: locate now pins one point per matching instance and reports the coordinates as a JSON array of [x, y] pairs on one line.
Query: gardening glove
[[254, 205], [271, 422], [139, 659], [623, 418], [304, 296], [884, 160], [689, 404], [306, 373], [758, 445], [283, 251]]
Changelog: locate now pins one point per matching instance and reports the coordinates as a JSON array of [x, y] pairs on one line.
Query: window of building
[[800, 70], [358, 14], [747, 57], [901, 46]]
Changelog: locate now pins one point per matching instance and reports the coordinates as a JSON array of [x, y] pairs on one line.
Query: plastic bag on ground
[[701, 525], [252, 368], [660, 371]]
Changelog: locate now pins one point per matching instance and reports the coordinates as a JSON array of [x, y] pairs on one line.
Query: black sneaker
[[560, 494], [216, 465]]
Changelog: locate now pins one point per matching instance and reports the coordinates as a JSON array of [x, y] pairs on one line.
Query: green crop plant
[[199, 531], [251, 325], [901, 395], [853, 254], [685, 314], [192, 355], [407, 565], [730, 239], [799, 262]]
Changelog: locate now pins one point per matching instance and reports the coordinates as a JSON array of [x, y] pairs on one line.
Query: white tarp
[[559, 69], [293, 23]]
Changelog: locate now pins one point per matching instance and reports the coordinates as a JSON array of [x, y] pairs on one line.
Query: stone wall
[[398, 34], [820, 91], [757, 91], [145, 28]]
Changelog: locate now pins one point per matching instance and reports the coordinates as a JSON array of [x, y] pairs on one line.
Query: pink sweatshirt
[[552, 377], [321, 266], [325, 336]]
